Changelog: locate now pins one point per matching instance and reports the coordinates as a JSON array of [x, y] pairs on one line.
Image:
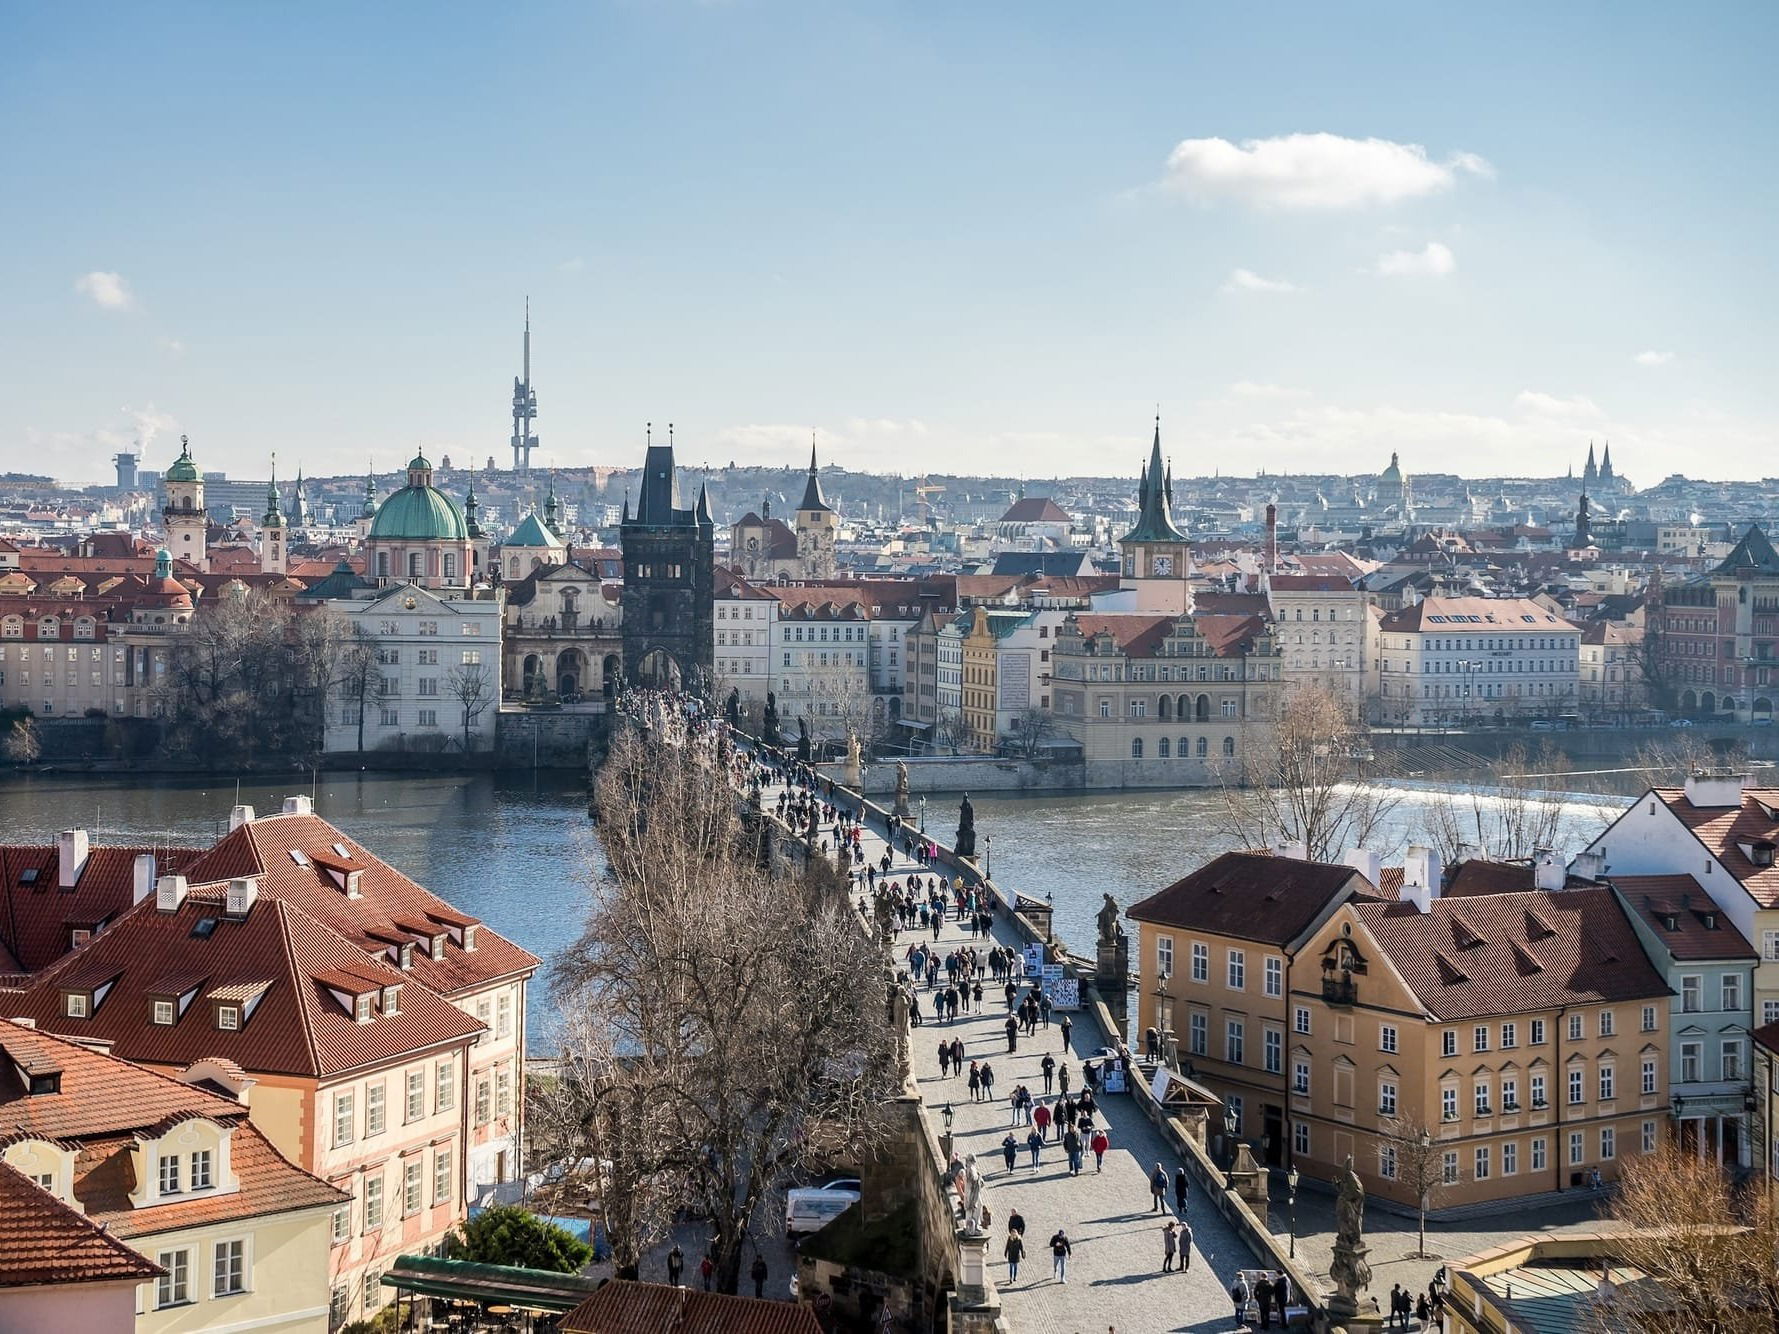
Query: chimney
[[24, 1022], [1421, 872], [1714, 788], [1549, 871], [298, 806], [71, 855], [238, 816], [143, 876], [1588, 866], [1366, 862], [243, 891], [169, 893], [1295, 851], [1272, 538]]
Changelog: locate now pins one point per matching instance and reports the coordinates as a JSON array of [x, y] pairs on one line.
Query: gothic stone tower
[[816, 526], [669, 608], [187, 525]]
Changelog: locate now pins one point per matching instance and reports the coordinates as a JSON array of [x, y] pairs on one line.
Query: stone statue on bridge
[[1349, 1270], [972, 1195], [901, 811], [1111, 927], [855, 764], [769, 730], [966, 829], [732, 707], [803, 751]]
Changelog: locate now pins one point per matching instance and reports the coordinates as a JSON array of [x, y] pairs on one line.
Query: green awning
[[506, 1285]]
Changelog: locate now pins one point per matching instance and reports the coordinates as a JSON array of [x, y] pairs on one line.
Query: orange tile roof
[[624, 1306], [1136, 635], [36, 916], [1251, 896], [45, 1241], [1722, 828], [1700, 929]]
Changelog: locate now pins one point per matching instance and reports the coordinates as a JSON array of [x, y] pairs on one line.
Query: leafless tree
[[470, 686], [950, 730], [1297, 781], [731, 1021], [1031, 729], [1513, 809], [1420, 1166], [356, 679], [23, 744], [838, 699], [1708, 1246], [1678, 754]]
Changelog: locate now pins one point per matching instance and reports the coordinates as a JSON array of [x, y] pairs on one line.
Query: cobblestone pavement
[[1115, 1280]]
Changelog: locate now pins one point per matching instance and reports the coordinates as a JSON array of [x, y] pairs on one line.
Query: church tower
[[817, 526], [1608, 482], [273, 551], [1590, 475], [184, 518], [369, 512], [669, 608]]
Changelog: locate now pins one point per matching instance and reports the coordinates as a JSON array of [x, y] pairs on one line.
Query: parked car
[[1681, 722], [811, 1208]]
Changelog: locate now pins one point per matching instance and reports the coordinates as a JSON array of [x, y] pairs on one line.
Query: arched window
[[1184, 748], [450, 565], [1162, 713], [513, 568], [1203, 709], [414, 558], [1229, 745], [382, 564], [1161, 749], [1136, 748], [1204, 748]]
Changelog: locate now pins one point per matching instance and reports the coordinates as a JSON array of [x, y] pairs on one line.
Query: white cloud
[[1537, 404], [1254, 389], [1653, 358], [108, 290], [1435, 261], [1313, 171], [173, 347], [574, 265], [1246, 280]]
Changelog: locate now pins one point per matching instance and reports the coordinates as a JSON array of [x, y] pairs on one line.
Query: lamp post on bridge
[[1291, 1185]]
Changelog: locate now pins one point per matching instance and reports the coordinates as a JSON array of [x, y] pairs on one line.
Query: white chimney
[[1707, 790], [298, 806], [1588, 866], [1549, 871], [169, 893], [243, 892], [1421, 873], [23, 1022], [1366, 862], [143, 873], [238, 816], [1295, 851], [71, 855]]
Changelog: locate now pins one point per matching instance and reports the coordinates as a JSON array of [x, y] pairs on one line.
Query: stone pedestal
[[1248, 1179], [1351, 1274], [975, 1305], [1112, 967]]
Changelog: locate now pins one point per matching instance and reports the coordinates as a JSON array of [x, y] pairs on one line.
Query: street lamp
[[1291, 1185], [988, 856], [923, 815], [1231, 1127]]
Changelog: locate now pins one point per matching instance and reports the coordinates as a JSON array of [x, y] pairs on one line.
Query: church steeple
[[813, 500], [274, 515], [1155, 523], [1591, 472], [552, 510]]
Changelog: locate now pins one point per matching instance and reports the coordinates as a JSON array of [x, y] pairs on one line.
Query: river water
[[520, 854]]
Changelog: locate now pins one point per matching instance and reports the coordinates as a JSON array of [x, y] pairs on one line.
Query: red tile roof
[[1310, 583], [388, 899], [44, 1241], [296, 1027], [1251, 896], [623, 1306], [1723, 828], [36, 917], [1136, 635], [1700, 930], [1513, 953]]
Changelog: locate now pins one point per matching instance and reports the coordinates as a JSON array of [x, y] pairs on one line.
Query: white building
[[1445, 659], [1321, 628], [745, 617], [436, 679]]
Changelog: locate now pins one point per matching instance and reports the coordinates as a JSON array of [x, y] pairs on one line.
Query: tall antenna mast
[[524, 406]]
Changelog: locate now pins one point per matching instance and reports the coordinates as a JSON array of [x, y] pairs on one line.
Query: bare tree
[[1513, 809], [1031, 729], [470, 686], [23, 744], [950, 730], [1707, 1245], [1678, 754], [728, 1018], [1420, 1167], [355, 676], [839, 699], [1298, 783]]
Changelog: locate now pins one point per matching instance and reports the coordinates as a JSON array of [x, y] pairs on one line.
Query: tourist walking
[[1185, 1245], [1064, 1028], [1048, 1066], [1062, 1078], [758, 1274], [676, 1263], [1034, 1141], [1239, 1294], [988, 1083], [1015, 1251], [1263, 1299], [1041, 1119], [1071, 1145], [944, 1059], [706, 1268], [1012, 1033], [1180, 1190], [1059, 1256], [975, 1081], [957, 1055], [1169, 1245], [1099, 1143], [1158, 1188]]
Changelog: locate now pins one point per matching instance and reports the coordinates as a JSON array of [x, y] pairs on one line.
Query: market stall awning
[[464, 1280]]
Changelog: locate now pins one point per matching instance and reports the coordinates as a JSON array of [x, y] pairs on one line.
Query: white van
[[811, 1208]]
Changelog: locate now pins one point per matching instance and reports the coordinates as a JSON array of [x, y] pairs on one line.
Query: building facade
[[669, 599], [1443, 660], [1716, 649]]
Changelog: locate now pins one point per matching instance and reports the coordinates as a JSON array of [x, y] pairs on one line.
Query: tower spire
[[524, 405]]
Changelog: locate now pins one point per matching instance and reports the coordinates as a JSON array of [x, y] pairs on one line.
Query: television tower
[[524, 406]]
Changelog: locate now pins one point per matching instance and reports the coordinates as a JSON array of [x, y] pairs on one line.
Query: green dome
[[183, 469], [420, 514]]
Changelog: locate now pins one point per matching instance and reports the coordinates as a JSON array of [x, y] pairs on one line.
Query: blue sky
[[946, 237]]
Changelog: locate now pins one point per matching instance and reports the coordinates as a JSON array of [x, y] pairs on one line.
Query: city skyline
[[943, 243]]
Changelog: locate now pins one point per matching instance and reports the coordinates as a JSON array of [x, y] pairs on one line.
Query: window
[[1691, 991], [1538, 1154], [1301, 1019], [1479, 1038], [1649, 1134], [342, 1119], [169, 1174], [1608, 1143], [1386, 1161], [1576, 1028], [373, 1289], [416, 1095], [1386, 1098], [1510, 1036], [228, 1017], [1482, 1162], [483, 1101], [1732, 1058], [1648, 1084], [230, 1268], [1449, 1167], [441, 1177], [1577, 1149], [1238, 970], [76, 1007], [1386, 1037], [1300, 1077], [429, 717], [163, 1012], [1537, 1091], [1196, 1034], [1510, 1094], [342, 1224], [1483, 1106], [1201, 962], [361, 1007], [1692, 1057], [1608, 1083], [1537, 1038], [1649, 1018], [1731, 991], [373, 1110], [1448, 1104], [173, 1287], [1164, 954], [411, 1198], [1300, 1138], [1448, 1042], [1577, 1086], [503, 1091], [373, 1204], [200, 1170], [1232, 1041], [1275, 977], [445, 1090]]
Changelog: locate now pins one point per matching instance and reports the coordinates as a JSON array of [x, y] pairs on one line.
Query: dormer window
[[392, 1000], [405, 955], [228, 1017], [361, 1007], [164, 1012], [438, 947], [78, 936], [469, 939], [169, 1174], [49, 1081], [76, 1004]]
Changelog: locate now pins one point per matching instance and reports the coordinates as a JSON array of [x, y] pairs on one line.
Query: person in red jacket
[[1099, 1144]]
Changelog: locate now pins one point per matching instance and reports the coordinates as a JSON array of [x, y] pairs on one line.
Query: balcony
[[1340, 990]]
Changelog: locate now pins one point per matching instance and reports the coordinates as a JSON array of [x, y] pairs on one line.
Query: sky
[[979, 238]]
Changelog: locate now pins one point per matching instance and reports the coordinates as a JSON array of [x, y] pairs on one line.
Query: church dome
[[420, 514], [1393, 473], [182, 469]]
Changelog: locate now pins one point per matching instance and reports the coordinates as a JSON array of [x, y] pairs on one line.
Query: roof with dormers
[[1724, 829], [36, 915]]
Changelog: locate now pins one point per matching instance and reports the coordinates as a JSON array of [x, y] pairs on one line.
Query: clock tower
[[1156, 554]]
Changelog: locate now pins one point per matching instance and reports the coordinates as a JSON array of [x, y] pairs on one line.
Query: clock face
[[1164, 565]]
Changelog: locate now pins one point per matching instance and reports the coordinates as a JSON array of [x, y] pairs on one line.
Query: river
[[520, 853]]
